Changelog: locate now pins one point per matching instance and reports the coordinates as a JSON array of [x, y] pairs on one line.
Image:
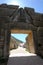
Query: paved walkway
[[23, 58]]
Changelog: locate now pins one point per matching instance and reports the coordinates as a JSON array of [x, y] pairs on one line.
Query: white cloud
[[14, 2]]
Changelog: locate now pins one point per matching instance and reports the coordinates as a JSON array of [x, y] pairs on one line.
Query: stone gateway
[[14, 19]]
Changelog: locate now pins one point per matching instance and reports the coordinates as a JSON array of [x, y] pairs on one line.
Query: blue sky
[[36, 4], [21, 37]]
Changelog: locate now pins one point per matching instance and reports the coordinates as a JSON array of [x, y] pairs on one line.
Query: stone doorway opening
[[18, 39], [29, 46]]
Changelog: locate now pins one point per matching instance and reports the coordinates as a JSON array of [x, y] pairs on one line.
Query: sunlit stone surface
[[21, 57]]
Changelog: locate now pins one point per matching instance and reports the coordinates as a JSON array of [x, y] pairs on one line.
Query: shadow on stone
[[25, 60]]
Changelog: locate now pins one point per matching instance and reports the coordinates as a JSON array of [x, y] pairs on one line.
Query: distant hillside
[[14, 42], [16, 39]]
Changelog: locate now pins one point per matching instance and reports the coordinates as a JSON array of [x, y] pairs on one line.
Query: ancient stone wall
[[13, 17]]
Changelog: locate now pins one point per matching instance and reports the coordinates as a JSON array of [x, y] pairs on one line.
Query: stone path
[[23, 58]]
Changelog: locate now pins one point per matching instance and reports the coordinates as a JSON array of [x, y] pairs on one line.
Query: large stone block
[[40, 31], [35, 41], [3, 5], [30, 11], [6, 11], [38, 23], [38, 16], [40, 40]]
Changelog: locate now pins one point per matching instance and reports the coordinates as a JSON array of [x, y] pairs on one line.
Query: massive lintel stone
[[13, 17]]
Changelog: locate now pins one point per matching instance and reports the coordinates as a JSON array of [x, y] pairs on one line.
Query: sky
[[21, 37], [36, 4]]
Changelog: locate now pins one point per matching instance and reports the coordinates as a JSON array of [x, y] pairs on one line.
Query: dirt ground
[[20, 56]]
